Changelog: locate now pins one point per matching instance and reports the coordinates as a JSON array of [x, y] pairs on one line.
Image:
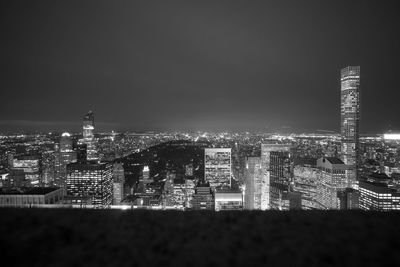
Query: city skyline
[[196, 66], [145, 133]]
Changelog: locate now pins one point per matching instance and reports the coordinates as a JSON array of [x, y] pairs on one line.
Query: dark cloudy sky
[[145, 65]]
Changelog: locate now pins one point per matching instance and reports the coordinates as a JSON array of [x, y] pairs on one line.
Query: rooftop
[[377, 188], [29, 191], [334, 160]]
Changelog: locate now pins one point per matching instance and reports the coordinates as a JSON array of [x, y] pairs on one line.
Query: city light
[[391, 136]]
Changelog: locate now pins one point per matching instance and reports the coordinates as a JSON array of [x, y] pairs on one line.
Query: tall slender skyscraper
[[253, 182], [350, 118], [88, 137], [63, 157]]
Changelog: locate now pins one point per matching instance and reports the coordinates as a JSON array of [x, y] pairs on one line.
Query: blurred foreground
[[44, 237]]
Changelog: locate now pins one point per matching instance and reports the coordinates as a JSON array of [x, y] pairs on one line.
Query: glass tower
[[350, 118], [90, 180], [266, 150], [88, 137]]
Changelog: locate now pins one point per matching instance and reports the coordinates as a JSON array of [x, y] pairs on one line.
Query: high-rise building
[[377, 196], [90, 180], [63, 157], [178, 196], [66, 142], [350, 119], [305, 182], [25, 171], [217, 166], [118, 183], [282, 196], [190, 190], [253, 183], [266, 150], [81, 153], [349, 199], [332, 180], [88, 136]]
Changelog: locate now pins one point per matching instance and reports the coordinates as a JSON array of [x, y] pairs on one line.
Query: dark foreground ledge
[[43, 237]]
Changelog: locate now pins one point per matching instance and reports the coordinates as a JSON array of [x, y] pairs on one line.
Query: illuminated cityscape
[[199, 133]]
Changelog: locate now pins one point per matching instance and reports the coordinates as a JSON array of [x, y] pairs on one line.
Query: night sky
[[205, 65]]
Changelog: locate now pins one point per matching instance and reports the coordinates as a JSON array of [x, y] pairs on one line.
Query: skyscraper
[[282, 196], [88, 137], [118, 183], [90, 180], [350, 118], [332, 181], [253, 182], [305, 182], [266, 150], [217, 166], [65, 142], [81, 153], [62, 158]]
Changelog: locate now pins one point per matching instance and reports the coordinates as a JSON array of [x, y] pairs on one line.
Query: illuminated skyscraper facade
[[88, 137], [305, 182], [118, 183], [282, 196], [332, 181], [350, 118], [217, 166], [266, 150], [378, 197], [62, 158], [253, 182], [25, 171], [90, 180]]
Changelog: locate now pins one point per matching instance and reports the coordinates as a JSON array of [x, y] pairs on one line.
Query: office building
[[305, 182], [88, 136], [217, 166], [253, 183], [118, 183], [93, 180], [350, 119], [81, 153], [282, 196], [62, 158], [349, 199], [178, 194], [203, 199], [378, 197], [266, 150], [190, 190], [25, 171], [332, 180]]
